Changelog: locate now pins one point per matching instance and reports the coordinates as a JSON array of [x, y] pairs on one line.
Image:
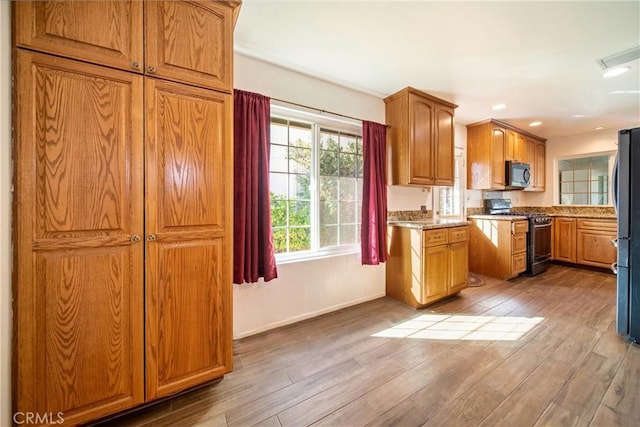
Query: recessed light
[[580, 116], [598, 128], [499, 107], [535, 123], [612, 72], [618, 92]]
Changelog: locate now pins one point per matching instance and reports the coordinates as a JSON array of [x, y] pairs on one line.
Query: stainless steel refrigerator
[[626, 200]]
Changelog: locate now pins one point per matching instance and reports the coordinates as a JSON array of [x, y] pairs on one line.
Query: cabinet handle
[[135, 238], [151, 237], [614, 242], [614, 268], [151, 69], [136, 65]]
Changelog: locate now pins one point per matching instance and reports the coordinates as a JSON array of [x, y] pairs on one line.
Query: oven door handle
[[541, 225]]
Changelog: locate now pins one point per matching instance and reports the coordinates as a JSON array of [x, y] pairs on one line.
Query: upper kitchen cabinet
[[188, 41], [490, 143], [515, 149], [486, 143], [420, 139]]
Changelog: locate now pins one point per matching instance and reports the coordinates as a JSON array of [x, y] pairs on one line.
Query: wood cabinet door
[[105, 32], [190, 42], [539, 174], [443, 146], [78, 308], [189, 163], [498, 143], [459, 262], [420, 141], [595, 248], [436, 273], [565, 239]]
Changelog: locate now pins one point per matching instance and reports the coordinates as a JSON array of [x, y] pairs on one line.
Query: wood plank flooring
[[382, 363]]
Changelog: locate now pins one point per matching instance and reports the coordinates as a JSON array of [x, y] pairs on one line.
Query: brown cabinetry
[[490, 143], [425, 266], [420, 139], [189, 42], [498, 247], [565, 239], [585, 241], [123, 219]]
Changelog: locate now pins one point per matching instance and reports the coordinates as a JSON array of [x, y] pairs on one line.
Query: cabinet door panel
[[436, 273], [79, 199], [540, 171], [498, 141], [444, 164], [102, 32], [565, 239], [188, 282], [459, 262], [190, 42], [421, 136], [595, 248]]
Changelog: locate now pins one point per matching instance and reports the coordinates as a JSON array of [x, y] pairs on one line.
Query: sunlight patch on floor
[[462, 327]]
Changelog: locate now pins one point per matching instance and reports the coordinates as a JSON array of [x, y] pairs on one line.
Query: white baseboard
[[305, 316]]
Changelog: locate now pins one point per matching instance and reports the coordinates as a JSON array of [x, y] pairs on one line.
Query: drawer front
[[520, 227], [598, 224], [458, 234], [434, 237], [519, 263], [518, 243]]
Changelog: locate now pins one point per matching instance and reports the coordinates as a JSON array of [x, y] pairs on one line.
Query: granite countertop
[[428, 224], [498, 217]]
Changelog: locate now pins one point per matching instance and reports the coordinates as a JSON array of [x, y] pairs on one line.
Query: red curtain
[[373, 238], [253, 253]]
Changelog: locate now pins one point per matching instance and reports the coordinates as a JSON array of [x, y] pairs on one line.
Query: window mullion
[[315, 188]]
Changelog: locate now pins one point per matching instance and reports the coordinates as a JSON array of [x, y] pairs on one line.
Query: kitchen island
[[428, 260]]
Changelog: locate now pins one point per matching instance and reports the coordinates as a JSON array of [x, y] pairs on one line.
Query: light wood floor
[[571, 369]]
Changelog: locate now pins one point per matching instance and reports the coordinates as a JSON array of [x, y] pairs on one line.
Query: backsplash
[[409, 215], [586, 211]]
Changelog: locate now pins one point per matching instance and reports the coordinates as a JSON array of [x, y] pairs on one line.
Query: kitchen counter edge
[[429, 225]]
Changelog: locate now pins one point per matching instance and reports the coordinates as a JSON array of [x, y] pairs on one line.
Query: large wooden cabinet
[[427, 265], [499, 247], [490, 143], [122, 214], [420, 139]]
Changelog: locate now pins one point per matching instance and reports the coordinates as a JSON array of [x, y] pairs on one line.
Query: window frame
[[556, 177], [317, 122], [459, 158]]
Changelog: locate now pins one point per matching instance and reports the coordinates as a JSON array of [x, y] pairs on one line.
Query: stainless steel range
[[538, 236]]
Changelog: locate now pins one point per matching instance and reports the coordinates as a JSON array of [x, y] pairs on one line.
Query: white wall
[[308, 288], [5, 213], [557, 148]]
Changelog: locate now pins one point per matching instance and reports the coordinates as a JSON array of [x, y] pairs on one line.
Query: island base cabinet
[[425, 266]]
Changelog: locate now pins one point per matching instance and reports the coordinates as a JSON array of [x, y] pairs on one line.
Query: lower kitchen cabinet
[[585, 241], [498, 247], [426, 265], [565, 239]]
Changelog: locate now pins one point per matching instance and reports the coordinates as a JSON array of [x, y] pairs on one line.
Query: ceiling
[[539, 58]]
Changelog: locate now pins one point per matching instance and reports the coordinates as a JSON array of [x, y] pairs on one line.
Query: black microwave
[[518, 175]]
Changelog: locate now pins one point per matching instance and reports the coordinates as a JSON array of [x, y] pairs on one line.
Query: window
[[315, 183], [584, 180], [451, 198]]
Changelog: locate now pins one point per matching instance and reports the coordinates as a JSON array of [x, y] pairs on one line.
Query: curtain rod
[[320, 110]]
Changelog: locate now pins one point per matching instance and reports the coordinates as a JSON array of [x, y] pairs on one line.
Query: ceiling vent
[[619, 58]]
